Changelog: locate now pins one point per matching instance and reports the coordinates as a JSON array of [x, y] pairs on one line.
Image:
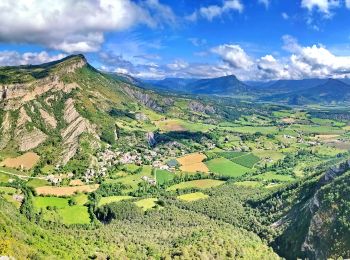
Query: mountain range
[[293, 92]]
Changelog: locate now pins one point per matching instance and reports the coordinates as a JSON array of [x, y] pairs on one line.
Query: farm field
[[248, 160], [271, 176], [59, 210], [200, 184], [107, 200], [225, 167], [74, 215], [65, 191], [249, 184], [163, 176], [147, 204], [192, 196], [193, 163], [27, 161], [34, 183]]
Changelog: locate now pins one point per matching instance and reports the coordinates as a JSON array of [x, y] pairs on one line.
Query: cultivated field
[[225, 167], [111, 199], [193, 196], [146, 204], [65, 191], [163, 176], [200, 184], [26, 161], [170, 125], [193, 163]]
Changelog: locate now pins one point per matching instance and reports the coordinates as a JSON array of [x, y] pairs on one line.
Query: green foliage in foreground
[[167, 233]]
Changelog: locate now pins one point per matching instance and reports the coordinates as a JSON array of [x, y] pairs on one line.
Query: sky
[[255, 40]]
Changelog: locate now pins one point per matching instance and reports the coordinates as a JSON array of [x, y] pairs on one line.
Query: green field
[[110, 199], [230, 155], [271, 176], [34, 183], [163, 176], [225, 167], [192, 196], [200, 184], [248, 160], [4, 177], [8, 190], [74, 215], [80, 199], [146, 204], [58, 209], [249, 184], [44, 202]]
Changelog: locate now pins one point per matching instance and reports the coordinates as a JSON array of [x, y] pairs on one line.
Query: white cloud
[[72, 25], [178, 65], [323, 6], [266, 3], [213, 11], [198, 42], [285, 16], [14, 58], [234, 55], [347, 3]]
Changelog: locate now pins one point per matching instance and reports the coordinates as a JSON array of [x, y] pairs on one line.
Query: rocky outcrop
[[5, 131], [19, 94], [49, 119], [27, 138], [31, 139], [144, 98], [199, 107], [76, 126]]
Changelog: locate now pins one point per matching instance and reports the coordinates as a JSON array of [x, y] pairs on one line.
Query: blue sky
[[253, 39]]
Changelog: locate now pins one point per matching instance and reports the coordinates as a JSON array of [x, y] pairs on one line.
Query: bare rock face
[[30, 140], [49, 119], [27, 138], [198, 107], [76, 126], [144, 98], [5, 131]]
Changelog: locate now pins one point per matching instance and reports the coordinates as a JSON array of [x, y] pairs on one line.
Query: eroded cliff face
[[76, 125], [25, 130]]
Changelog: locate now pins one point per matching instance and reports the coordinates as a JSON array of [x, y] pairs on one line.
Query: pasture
[[26, 161], [74, 215], [147, 204], [248, 160], [225, 167], [58, 209], [163, 176], [107, 200], [192, 196], [34, 183], [200, 184]]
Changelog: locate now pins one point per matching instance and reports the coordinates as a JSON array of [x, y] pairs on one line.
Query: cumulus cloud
[[323, 6], [213, 11], [71, 25], [234, 55], [14, 58]]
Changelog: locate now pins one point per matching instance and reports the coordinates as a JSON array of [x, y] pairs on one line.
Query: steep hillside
[[315, 224], [165, 234], [51, 107]]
